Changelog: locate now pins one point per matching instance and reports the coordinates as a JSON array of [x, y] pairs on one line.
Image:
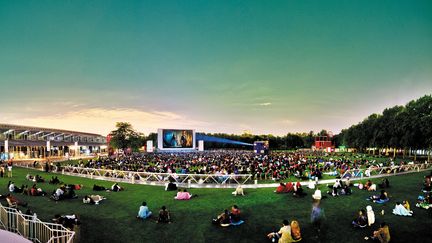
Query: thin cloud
[[265, 104], [102, 120]]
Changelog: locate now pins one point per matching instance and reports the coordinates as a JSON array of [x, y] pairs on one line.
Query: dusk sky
[[269, 67]]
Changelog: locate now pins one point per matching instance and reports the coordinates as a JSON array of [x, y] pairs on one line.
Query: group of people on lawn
[[289, 232]]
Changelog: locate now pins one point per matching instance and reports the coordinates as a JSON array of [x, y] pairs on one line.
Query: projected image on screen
[[177, 138]]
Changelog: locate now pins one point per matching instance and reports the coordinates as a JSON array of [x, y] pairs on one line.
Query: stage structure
[[201, 145], [261, 147], [176, 140], [149, 147]]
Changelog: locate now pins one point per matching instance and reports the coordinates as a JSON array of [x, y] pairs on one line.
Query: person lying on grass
[[383, 197], [281, 188], [92, 199], [15, 201], [98, 188]]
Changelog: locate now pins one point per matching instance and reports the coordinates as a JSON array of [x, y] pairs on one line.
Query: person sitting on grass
[[401, 210], [144, 211], [223, 219], [370, 215], [283, 235], [235, 214], [295, 231], [68, 221], [116, 187], [11, 186], [164, 216], [171, 186], [347, 182], [406, 205], [69, 192], [368, 185], [29, 177], [334, 192], [58, 193], [345, 190], [384, 183], [382, 234], [238, 191], [372, 188], [54, 180], [38, 178], [424, 201], [298, 190], [361, 220], [317, 194], [26, 191], [35, 191], [183, 195]]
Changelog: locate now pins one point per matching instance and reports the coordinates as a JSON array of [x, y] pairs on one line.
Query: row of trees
[[401, 127]]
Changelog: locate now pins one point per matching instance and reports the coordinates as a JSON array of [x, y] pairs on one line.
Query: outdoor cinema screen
[[177, 139]]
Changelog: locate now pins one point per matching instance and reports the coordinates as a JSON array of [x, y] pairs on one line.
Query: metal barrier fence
[[157, 178], [32, 228], [377, 170]]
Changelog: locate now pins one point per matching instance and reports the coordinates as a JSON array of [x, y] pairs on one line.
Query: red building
[[324, 143]]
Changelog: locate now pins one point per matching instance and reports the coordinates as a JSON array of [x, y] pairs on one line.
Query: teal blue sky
[[217, 66]]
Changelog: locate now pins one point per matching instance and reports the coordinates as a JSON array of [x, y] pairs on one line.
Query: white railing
[[32, 228], [378, 170], [135, 177]]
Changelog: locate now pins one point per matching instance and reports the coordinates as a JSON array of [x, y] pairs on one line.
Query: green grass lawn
[[114, 219]]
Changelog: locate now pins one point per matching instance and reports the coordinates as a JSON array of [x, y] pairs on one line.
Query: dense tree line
[[406, 127]]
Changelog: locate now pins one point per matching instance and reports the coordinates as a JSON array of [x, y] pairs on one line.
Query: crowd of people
[[276, 166]]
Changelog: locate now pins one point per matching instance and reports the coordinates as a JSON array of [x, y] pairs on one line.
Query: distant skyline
[[269, 67]]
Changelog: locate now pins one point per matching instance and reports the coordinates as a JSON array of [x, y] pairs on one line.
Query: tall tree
[[125, 137]]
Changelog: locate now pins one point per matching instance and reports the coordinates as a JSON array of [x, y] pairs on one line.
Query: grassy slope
[[114, 219]]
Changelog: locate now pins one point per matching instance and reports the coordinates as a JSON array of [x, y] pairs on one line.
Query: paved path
[[9, 237]]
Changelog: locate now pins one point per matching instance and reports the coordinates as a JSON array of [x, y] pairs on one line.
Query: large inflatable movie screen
[[177, 138]]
